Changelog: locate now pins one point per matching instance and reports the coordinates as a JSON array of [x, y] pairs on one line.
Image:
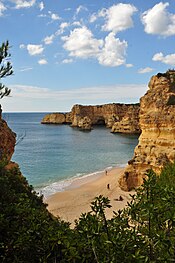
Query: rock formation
[[8, 140], [56, 118], [120, 117], [157, 140]]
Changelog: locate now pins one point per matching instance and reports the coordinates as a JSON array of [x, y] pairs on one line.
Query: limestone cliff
[[157, 140], [57, 118], [119, 117], [8, 140]]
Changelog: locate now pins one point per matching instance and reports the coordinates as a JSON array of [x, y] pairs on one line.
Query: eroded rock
[[119, 117], [157, 122]]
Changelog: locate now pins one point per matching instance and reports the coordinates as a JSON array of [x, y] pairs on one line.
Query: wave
[[73, 182]]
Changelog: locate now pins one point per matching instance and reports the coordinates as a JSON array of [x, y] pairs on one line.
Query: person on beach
[[106, 172], [108, 187]]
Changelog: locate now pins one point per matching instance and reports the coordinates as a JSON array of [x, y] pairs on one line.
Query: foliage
[[143, 232], [29, 233], [5, 68]]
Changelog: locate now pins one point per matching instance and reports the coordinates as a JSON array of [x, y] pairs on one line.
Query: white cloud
[[93, 18], [34, 49], [42, 61], [2, 8], [81, 43], [76, 23], [159, 21], [54, 16], [49, 39], [129, 65], [41, 6], [23, 3], [62, 27], [114, 92], [145, 70], [67, 61], [43, 15], [25, 69], [113, 52], [31, 98], [22, 46], [81, 8], [169, 59], [118, 17]]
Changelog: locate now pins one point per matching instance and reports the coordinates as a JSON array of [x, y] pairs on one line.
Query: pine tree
[[5, 68]]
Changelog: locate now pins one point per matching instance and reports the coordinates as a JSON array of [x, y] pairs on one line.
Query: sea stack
[[157, 122]]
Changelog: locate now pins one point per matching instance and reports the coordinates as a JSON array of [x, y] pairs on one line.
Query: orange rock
[[157, 122]]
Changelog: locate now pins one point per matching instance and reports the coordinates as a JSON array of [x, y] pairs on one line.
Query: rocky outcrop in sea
[[122, 118]]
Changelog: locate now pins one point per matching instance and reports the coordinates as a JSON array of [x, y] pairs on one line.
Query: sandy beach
[[69, 205]]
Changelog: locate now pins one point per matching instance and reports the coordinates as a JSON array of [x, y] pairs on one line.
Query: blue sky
[[84, 52]]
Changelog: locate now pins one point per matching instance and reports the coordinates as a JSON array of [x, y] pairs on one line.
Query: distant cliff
[[122, 118], [157, 140]]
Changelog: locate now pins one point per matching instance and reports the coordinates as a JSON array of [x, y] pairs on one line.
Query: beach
[[76, 199]]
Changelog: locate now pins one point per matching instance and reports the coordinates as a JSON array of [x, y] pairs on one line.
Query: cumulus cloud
[[159, 21], [23, 3], [41, 6], [42, 61], [49, 39], [113, 52], [81, 43], [169, 59], [129, 65], [145, 70], [54, 16], [93, 18], [76, 23], [117, 18], [2, 9], [62, 28], [33, 50]]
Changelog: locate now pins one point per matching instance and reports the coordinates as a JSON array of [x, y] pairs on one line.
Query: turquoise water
[[50, 156]]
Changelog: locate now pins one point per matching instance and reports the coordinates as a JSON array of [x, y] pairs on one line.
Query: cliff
[[157, 122], [8, 140], [57, 118], [119, 117]]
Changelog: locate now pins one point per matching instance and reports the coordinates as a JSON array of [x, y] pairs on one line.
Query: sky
[[67, 52]]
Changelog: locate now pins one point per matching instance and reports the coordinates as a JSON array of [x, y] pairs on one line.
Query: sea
[[51, 157]]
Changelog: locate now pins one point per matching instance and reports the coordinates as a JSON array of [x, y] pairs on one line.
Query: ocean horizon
[[51, 157]]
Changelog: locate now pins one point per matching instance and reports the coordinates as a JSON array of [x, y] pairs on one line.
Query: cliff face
[[57, 118], [157, 140], [120, 117], [8, 140]]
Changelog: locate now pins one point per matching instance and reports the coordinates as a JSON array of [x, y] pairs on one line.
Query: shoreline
[[77, 197], [72, 182]]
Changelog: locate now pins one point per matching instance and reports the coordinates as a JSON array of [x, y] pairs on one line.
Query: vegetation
[[5, 68], [143, 232]]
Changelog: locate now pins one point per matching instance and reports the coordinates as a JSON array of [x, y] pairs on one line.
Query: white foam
[[62, 185]]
